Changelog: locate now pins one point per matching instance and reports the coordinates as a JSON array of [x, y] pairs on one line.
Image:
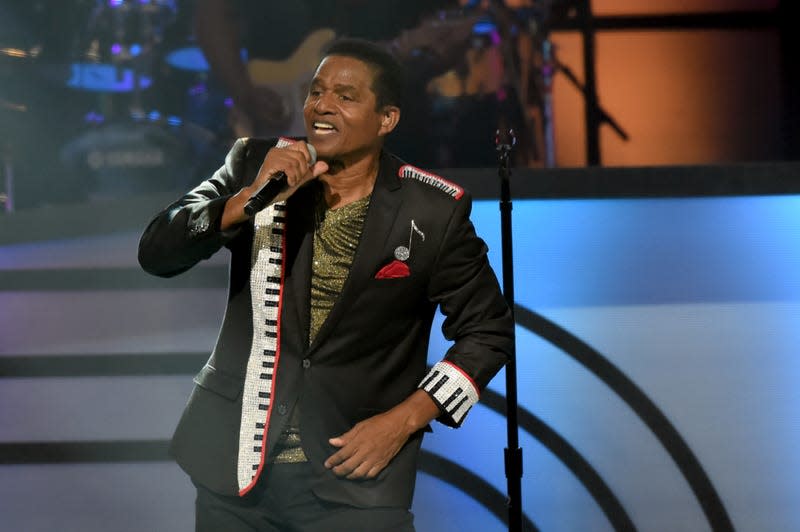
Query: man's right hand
[[293, 160]]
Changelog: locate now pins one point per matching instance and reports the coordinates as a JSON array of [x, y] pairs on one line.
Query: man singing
[[310, 412]]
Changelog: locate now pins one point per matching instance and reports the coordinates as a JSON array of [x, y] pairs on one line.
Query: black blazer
[[370, 353]]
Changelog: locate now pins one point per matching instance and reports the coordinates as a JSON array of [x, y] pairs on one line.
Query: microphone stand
[[513, 453]]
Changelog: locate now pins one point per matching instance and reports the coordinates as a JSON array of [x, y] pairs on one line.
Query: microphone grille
[[312, 151]]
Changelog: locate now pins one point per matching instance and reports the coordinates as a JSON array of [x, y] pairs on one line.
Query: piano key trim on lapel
[[266, 293]]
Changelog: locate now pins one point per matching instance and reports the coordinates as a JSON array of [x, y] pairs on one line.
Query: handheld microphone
[[274, 186]]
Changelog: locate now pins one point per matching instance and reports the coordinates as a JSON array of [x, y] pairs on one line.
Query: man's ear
[[390, 116]]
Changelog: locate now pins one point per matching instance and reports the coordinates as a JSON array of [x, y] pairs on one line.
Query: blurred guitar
[[286, 80]]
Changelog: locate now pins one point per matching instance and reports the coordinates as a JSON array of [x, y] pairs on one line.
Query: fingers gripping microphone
[[274, 186]]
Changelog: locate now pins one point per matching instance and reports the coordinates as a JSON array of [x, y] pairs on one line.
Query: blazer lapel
[[299, 251], [381, 216]]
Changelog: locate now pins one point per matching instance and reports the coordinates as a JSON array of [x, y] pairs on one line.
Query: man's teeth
[[320, 125]]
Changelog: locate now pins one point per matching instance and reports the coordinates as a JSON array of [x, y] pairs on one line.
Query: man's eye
[[345, 98]]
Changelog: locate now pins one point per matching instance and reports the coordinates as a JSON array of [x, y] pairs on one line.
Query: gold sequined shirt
[[336, 236]]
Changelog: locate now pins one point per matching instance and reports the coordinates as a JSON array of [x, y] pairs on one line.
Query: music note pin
[[402, 252]]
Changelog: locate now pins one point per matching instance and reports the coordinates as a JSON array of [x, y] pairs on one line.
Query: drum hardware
[[12, 106], [7, 194], [189, 58], [123, 158], [16, 110], [132, 140], [15, 54], [19, 46], [191, 94], [184, 78], [145, 152], [114, 50]]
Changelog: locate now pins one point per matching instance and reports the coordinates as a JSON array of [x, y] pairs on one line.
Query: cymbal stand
[[7, 196]]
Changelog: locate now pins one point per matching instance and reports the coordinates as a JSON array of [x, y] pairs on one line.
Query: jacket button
[[282, 409], [306, 363]]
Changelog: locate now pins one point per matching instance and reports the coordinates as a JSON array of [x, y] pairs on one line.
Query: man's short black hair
[[389, 75]]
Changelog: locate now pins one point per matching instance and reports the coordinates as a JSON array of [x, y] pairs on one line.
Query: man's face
[[340, 116]]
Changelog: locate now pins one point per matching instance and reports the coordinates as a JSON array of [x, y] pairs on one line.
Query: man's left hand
[[368, 447], [371, 444]]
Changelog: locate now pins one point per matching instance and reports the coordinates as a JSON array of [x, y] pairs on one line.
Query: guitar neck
[[298, 68]]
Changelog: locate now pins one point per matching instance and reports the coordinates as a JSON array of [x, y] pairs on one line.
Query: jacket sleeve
[[477, 319], [188, 230]]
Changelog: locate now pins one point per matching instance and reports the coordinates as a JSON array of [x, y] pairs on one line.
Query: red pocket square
[[393, 270]]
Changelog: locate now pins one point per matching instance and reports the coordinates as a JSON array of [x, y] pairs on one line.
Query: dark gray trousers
[[283, 502]]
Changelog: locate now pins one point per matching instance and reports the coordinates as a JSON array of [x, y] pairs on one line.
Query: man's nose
[[324, 103]]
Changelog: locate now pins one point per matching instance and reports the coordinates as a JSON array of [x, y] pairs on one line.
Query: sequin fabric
[[336, 236], [266, 283]]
